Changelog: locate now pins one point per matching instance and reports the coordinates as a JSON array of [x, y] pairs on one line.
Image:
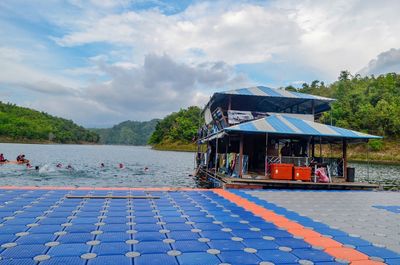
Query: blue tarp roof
[[272, 92], [284, 124]]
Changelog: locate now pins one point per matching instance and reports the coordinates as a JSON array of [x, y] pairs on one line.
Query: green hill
[[127, 133], [369, 104], [176, 131], [18, 124]]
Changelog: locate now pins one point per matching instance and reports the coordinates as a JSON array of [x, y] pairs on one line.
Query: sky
[[101, 62]]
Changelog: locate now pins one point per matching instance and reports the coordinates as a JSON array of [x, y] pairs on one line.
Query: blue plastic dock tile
[[110, 260], [227, 245], [114, 237], [35, 239], [146, 220], [76, 238], [355, 241], [313, 255], [148, 259], [277, 256], [216, 235], [190, 246], [183, 235], [148, 227], [17, 262], [392, 261], [291, 242], [276, 233], [7, 238], [149, 236], [64, 250], [391, 208], [260, 243], [152, 247], [23, 251], [112, 248], [239, 257], [379, 252], [247, 234], [179, 227], [12, 229], [64, 261], [173, 219], [208, 226], [116, 228], [198, 258], [20, 221], [331, 232], [79, 228]]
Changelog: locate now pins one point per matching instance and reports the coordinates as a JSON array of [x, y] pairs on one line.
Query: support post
[[313, 147], [320, 148], [344, 158], [313, 109], [241, 156], [266, 155], [216, 156]]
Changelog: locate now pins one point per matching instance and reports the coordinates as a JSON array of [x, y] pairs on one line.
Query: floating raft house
[[250, 130]]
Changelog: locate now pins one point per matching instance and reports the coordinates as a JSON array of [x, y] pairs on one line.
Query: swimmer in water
[[70, 167], [121, 165], [37, 168], [28, 165], [59, 165], [102, 165], [146, 169]]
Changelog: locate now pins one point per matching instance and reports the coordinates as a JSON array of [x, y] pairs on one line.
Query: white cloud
[[150, 63], [385, 62], [242, 34]]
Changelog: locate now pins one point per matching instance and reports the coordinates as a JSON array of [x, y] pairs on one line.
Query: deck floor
[[187, 227]]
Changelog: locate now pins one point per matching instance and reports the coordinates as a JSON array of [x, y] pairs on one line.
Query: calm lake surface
[[165, 168]]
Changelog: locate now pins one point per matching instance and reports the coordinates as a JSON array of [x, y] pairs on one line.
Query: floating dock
[[220, 180], [89, 226]]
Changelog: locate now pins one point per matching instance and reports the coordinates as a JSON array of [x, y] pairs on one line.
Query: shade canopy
[[266, 99], [281, 124]]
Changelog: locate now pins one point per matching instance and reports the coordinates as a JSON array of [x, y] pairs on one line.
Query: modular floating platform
[[93, 226]]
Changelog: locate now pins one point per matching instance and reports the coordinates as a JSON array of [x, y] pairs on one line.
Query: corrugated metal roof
[[272, 92], [283, 124]]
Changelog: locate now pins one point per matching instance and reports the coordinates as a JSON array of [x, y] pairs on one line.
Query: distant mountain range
[[127, 133]]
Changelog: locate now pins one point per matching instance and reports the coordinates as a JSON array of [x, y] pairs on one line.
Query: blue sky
[[100, 62]]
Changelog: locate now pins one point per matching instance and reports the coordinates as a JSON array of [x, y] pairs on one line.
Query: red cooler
[[302, 173], [281, 171]]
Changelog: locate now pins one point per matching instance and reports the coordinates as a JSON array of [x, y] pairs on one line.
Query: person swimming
[[121, 165], [101, 164], [59, 165]]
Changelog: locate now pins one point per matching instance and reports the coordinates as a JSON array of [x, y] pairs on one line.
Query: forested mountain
[[127, 133], [178, 128], [369, 104], [26, 125]]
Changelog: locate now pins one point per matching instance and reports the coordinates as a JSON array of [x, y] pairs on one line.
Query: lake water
[[165, 169]]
